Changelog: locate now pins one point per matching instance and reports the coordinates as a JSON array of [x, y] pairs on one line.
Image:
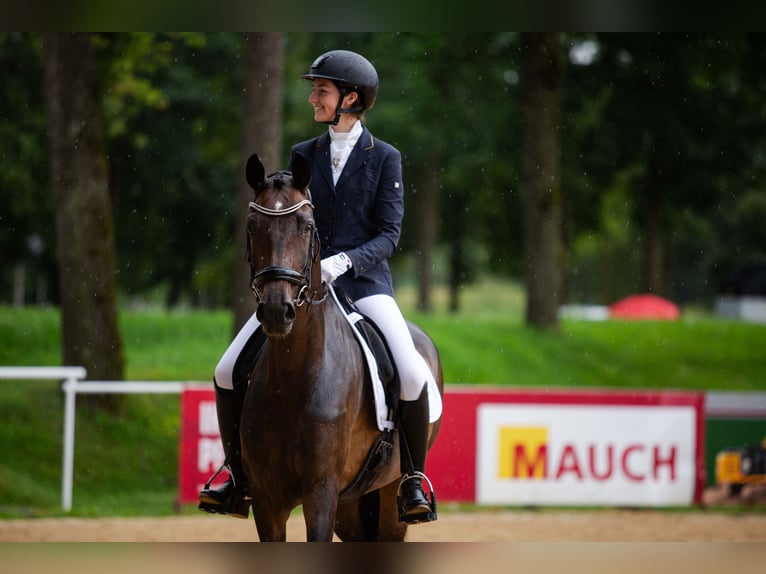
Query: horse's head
[[283, 244]]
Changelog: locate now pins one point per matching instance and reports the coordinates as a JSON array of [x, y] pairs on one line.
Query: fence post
[[67, 469]]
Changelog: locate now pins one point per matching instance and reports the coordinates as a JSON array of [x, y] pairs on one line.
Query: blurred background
[[543, 172], [657, 143]]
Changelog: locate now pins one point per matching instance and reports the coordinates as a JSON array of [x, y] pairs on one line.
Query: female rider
[[357, 191]]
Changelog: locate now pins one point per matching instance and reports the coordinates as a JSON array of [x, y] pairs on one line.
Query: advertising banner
[[504, 446], [201, 452], [508, 446]]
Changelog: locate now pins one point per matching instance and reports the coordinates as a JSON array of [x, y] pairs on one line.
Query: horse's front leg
[[271, 523], [319, 508]]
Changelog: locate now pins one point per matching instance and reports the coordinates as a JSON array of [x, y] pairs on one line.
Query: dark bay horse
[[308, 420]]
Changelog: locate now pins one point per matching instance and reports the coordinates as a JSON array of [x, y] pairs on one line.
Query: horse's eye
[[308, 228]]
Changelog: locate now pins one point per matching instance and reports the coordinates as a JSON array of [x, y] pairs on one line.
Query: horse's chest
[[303, 422]]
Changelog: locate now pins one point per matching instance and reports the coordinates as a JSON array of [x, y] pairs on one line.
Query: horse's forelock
[[280, 179]]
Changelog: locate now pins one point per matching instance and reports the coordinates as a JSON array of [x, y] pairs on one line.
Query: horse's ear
[[255, 174], [301, 171]]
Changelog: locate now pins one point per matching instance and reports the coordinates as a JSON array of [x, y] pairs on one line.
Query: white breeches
[[383, 310], [413, 369], [224, 370]]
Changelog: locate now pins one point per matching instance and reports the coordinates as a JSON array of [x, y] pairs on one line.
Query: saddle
[[376, 343]]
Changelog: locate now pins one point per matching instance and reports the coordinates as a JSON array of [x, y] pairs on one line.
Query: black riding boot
[[414, 506], [233, 497]]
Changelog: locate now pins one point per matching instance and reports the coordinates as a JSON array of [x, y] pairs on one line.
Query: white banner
[[585, 455]]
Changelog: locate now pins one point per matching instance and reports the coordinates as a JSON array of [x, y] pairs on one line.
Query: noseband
[[279, 273]]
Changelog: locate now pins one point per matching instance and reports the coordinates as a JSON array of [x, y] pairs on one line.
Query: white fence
[[73, 384]]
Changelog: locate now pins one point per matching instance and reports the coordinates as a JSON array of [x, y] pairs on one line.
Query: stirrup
[[221, 468], [429, 516], [238, 508]]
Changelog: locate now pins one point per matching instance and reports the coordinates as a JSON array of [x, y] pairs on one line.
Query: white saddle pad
[[384, 422]]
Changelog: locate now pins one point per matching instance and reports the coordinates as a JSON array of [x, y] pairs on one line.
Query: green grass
[[127, 464], [175, 345], [702, 355]]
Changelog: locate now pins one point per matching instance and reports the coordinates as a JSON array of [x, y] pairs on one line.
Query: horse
[[308, 421]]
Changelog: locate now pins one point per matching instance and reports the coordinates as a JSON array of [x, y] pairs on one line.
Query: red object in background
[[644, 306], [200, 452], [452, 463]]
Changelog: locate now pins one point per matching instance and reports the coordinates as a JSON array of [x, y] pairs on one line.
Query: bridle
[[280, 273]]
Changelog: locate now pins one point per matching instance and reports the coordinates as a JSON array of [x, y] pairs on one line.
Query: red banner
[[545, 446], [201, 451]]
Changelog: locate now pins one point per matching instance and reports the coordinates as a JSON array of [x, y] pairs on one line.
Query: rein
[[280, 273]]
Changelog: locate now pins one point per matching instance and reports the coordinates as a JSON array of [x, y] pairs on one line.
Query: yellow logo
[[523, 452]]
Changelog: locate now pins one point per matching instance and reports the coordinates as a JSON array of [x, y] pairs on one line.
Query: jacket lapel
[[322, 157], [358, 156]]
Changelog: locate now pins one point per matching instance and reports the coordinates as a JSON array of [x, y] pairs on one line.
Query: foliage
[[27, 232], [673, 120], [173, 163]]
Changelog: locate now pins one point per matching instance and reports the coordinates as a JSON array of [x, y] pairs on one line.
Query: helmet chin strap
[[341, 110], [334, 122]]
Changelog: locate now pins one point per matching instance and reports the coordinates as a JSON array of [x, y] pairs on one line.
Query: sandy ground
[[712, 523], [479, 526], [518, 541]]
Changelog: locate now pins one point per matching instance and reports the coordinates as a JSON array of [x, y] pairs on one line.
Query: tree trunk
[[426, 231], [263, 63], [84, 224], [539, 108]]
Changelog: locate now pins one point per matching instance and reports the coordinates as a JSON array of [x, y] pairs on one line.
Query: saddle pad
[[381, 408]]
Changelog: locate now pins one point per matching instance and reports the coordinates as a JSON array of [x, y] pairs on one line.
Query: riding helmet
[[348, 70]]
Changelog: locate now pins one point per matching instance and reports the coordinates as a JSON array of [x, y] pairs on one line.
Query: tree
[[539, 107], [263, 64], [84, 227]]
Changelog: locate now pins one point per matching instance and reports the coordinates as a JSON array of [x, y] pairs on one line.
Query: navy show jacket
[[362, 214]]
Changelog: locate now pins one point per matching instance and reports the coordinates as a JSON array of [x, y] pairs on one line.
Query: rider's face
[[324, 98]]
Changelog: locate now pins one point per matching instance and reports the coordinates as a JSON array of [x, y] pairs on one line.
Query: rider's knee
[[412, 387], [224, 378]]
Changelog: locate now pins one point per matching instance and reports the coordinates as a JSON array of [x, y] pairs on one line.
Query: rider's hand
[[334, 266]]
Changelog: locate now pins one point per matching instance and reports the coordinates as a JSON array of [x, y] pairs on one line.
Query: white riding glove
[[334, 266]]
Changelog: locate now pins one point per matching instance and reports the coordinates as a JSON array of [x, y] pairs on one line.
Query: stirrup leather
[[431, 497]]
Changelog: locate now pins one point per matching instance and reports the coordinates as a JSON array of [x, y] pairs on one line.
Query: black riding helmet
[[351, 72]]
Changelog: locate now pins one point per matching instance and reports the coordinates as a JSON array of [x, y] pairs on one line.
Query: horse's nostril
[[289, 312]]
